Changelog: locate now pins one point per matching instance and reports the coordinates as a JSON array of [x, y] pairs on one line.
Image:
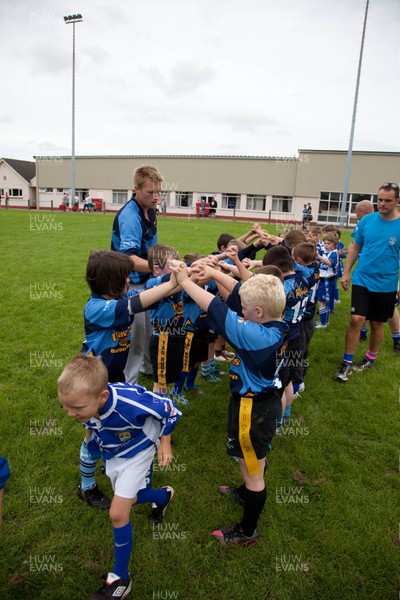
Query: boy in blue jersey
[[328, 260], [166, 316], [255, 403], [296, 290], [134, 233], [128, 423], [304, 258], [108, 316]]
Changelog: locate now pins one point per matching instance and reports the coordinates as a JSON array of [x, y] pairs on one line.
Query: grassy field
[[330, 528]]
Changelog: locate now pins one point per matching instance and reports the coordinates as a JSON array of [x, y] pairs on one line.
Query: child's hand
[[232, 252], [164, 452], [180, 272]]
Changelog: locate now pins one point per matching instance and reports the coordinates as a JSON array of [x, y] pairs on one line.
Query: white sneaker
[[320, 326], [222, 358]]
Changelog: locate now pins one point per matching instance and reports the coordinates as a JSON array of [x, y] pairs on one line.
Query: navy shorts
[[265, 415], [374, 306], [173, 360]]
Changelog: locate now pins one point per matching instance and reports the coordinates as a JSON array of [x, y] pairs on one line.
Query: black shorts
[[266, 413], [292, 367], [171, 362], [374, 306], [196, 348]]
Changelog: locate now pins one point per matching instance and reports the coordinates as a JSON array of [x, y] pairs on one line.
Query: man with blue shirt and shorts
[[134, 233], [375, 278]]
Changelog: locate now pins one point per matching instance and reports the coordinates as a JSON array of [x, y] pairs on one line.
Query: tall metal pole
[[73, 19], [73, 117], [343, 216]]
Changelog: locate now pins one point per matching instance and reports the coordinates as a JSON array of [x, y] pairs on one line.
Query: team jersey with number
[[296, 290], [132, 420], [311, 275], [256, 347]]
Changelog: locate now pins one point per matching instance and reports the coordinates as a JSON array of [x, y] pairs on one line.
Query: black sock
[[253, 505]]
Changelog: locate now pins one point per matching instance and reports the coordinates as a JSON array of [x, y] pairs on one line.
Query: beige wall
[[325, 171], [246, 176]]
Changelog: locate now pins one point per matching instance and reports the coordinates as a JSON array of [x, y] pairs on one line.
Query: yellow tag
[[251, 460]]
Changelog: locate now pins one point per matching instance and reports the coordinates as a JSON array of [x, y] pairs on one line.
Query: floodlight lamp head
[[73, 19]]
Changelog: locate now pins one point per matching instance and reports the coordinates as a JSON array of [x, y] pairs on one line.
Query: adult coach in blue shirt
[[375, 278], [134, 233]]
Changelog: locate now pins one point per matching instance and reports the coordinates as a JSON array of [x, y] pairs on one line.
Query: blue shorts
[[326, 289]]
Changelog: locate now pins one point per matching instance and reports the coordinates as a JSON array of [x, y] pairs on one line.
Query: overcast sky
[[220, 77]]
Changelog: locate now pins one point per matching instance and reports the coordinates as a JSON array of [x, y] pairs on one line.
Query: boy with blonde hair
[[129, 422], [255, 404]]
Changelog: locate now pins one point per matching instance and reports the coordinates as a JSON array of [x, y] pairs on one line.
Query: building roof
[[25, 168]]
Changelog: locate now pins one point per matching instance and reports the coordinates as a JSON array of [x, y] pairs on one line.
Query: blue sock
[[191, 378], [148, 495], [87, 467], [296, 387], [324, 315], [149, 477], [206, 368], [123, 540], [178, 387], [288, 410], [348, 358]]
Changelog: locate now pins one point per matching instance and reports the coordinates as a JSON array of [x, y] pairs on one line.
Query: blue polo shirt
[[134, 235], [378, 264]]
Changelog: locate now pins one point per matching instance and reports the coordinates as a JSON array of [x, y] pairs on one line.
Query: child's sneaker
[[211, 377], [234, 535], [234, 493], [216, 371], [195, 388], [221, 357], [320, 326], [180, 399], [94, 497], [158, 511], [114, 587]]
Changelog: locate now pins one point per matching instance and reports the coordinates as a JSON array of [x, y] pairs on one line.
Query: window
[[184, 199], [46, 190], [282, 203], [120, 197], [254, 202], [230, 200], [15, 193], [329, 206], [60, 190]]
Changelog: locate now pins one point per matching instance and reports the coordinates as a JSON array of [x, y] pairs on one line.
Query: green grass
[[333, 532]]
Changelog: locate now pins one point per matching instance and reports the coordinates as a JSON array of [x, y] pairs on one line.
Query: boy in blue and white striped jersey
[[129, 423]]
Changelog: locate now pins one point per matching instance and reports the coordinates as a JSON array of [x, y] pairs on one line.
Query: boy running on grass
[[255, 404], [128, 422]]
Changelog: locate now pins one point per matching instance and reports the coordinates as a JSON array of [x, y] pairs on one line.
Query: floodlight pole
[[342, 217], [68, 20]]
